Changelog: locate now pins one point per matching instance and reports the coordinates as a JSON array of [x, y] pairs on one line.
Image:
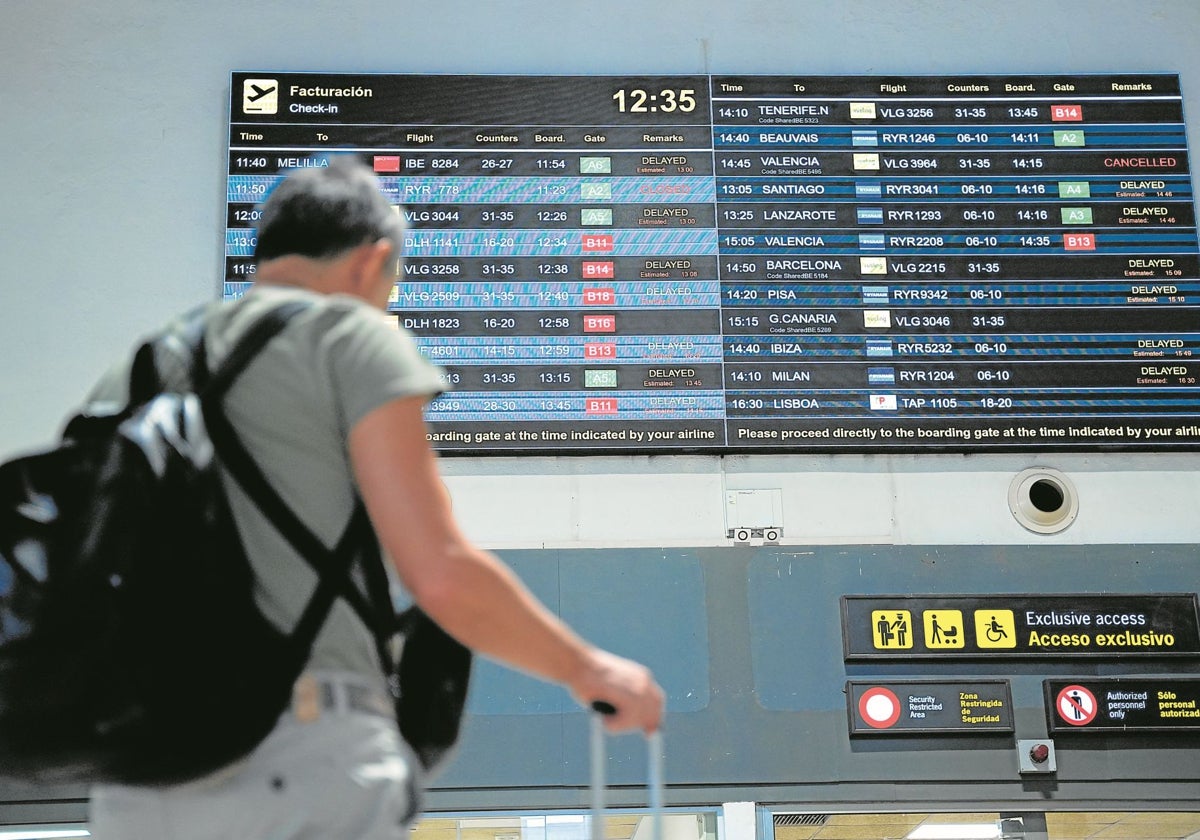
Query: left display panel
[[513, 281]]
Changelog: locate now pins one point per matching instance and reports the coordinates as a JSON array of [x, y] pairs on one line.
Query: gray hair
[[324, 211]]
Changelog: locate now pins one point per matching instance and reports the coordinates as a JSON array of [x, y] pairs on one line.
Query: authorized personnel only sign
[[935, 627], [928, 706], [1142, 704]]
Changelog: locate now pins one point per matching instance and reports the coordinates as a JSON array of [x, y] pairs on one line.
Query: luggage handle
[[654, 777]]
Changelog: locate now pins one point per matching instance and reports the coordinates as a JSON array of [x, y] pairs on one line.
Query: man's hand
[[626, 686]]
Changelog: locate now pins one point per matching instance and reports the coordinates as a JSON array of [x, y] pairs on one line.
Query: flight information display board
[[769, 263]]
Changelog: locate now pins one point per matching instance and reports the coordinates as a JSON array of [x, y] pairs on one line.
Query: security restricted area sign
[[928, 706], [1143, 704], [935, 627]]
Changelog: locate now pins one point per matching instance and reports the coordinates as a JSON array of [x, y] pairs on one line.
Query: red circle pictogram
[[1076, 705], [879, 707]]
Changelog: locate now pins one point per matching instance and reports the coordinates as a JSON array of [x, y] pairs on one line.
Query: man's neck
[[321, 276], [358, 273]]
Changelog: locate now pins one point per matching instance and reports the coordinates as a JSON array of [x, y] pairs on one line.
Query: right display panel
[[957, 261]]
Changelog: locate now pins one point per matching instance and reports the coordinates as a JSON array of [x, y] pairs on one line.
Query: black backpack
[[131, 646]]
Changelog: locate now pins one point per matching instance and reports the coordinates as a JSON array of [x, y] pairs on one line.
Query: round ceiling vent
[[1043, 500]]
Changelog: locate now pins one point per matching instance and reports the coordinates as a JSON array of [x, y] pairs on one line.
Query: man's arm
[[470, 592]]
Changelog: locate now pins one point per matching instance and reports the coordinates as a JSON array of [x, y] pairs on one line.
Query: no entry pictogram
[[1076, 705]]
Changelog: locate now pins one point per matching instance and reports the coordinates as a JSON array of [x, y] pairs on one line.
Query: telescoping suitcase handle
[[654, 774]]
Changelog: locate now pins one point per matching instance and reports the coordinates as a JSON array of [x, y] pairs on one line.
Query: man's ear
[[369, 263], [379, 254]]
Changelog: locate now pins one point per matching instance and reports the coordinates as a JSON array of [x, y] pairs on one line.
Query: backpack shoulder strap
[[332, 566], [213, 387]]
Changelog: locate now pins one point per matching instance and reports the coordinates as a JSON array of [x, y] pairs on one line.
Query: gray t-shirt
[[293, 408]]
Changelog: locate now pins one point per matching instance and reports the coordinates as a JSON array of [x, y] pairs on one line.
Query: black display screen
[[769, 263]]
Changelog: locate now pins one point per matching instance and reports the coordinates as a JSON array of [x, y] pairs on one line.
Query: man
[[332, 406]]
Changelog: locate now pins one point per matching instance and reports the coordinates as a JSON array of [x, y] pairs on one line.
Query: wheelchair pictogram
[[995, 629]]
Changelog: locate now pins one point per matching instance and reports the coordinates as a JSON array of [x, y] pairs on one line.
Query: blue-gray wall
[[113, 131], [747, 643]]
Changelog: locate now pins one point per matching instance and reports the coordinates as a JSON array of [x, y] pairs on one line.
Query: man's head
[[324, 218]]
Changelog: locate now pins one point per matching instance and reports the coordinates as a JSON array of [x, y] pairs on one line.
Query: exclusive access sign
[[959, 626], [1141, 704]]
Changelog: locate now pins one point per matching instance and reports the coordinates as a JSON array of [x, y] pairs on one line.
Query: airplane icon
[[260, 96], [259, 93]]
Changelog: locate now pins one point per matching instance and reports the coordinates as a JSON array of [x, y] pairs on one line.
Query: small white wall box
[[754, 515]]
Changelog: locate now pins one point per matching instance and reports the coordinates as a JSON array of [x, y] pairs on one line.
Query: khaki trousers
[[342, 774]]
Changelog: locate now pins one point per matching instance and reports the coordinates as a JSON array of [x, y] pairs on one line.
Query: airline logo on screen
[[260, 96]]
